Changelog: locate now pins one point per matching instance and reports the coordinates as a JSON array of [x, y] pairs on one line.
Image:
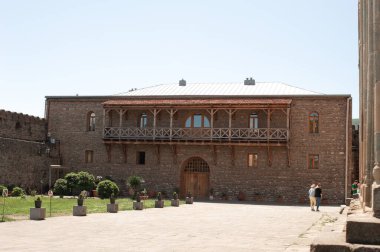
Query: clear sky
[[93, 47]]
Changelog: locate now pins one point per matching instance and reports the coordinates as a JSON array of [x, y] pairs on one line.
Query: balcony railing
[[204, 134]]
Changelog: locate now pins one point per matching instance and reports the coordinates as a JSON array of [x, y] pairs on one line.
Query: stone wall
[[229, 173], [23, 161]]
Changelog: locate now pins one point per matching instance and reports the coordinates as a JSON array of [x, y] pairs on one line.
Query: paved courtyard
[[198, 227]]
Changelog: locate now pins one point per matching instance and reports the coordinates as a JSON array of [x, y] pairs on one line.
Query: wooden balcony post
[[155, 113], [171, 113], [212, 113]]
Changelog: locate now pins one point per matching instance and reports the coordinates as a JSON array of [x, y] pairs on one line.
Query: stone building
[[24, 152], [266, 141]]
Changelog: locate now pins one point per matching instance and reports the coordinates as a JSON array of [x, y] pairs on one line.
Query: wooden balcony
[[263, 135]]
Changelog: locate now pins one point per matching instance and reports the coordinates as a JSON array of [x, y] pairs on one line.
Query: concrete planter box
[[37, 213], [79, 210], [189, 200], [138, 205], [112, 208], [175, 202], [159, 204]]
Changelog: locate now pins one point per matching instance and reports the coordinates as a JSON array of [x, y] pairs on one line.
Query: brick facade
[[273, 180]]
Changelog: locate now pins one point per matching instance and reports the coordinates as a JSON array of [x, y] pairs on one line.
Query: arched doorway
[[195, 177]]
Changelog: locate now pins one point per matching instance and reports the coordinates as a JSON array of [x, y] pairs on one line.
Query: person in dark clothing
[[318, 195]]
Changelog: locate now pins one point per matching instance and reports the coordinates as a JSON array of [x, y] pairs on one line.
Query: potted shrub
[[37, 213], [80, 200], [159, 203], [189, 198], [80, 209], [106, 188], [134, 183], [175, 200], [38, 203], [138, 205], [113, 207], [112, 198]]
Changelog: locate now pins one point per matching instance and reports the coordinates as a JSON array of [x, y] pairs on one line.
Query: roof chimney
[[182, 83], [249, 81]]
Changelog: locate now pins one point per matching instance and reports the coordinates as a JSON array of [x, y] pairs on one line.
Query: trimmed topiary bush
[[72, 179], [106, 188], [60, 187], [86, 181], [17, 192]]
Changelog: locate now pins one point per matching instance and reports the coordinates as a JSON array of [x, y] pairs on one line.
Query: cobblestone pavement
[[198, 227]]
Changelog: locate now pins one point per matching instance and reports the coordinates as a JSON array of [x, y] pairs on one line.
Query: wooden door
[[197, 184]]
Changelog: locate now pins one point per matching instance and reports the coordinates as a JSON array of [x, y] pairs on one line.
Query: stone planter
[[189, 200], [112, 208], [37, 213], [138, 205], [79, 210], [175, 202], [159, 204]]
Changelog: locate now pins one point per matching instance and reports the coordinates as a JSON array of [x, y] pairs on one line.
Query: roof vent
[[182, 83], [249, 81]]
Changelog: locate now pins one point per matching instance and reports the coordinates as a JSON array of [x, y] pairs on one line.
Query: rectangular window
[[313, 161], [252, 160], [140, 157], [89, 156]]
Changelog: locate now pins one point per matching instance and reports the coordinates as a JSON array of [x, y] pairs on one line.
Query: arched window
[[253, 121], [197, 121], [313, 122], [143, 120], [91, 121], [197, 164]]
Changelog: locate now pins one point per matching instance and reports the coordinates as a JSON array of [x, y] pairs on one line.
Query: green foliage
[[33, 193], [60, 187], [135, 182], [72, 179], [79, 181], [106, 188], [17, 192], [86, 181]]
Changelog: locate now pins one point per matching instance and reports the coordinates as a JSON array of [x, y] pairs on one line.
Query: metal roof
[[187, 102], [221, 89]]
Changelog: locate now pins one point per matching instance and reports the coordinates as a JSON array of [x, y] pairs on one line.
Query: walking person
[[312, 197], [318, 195]]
